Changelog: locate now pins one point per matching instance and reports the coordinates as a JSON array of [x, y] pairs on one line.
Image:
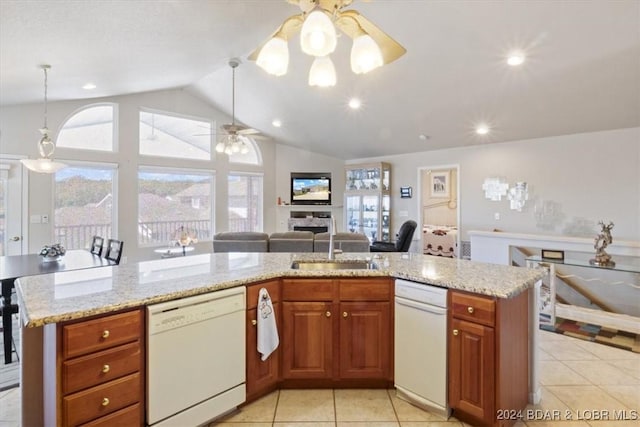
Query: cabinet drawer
[[101, 400], [473, 308], [93, 369], [97, 334], [129, 417], [307, 290], [273, 287], [365, 290]]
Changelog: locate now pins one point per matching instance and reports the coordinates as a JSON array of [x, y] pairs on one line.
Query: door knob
[[254, 322], [105, 401], [345, 314], [15, 238], [470, 310], [105, 369], [328, 314], [455, 332], [105, 334]]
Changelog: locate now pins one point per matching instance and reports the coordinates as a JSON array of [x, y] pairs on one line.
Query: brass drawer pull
[[105, 401], [470, 310], [254, 322], [345, 314], [328, 314], [455, 332], [106, 368], [105, 334]]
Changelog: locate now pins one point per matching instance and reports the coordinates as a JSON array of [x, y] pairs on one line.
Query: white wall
[[591, 176]]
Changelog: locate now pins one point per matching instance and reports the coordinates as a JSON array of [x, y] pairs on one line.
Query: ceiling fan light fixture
[[220, 146], [318, 35], [274, 56], [46, 146], [365, 54], [322, 73]]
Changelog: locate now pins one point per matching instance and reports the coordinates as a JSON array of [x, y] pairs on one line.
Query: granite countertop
[[52, 298]]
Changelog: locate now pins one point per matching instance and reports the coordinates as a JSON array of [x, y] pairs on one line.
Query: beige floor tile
[[303, 424], [239, 424], [607, 352], [627, 394], [305, 405], [620, 423], [543, 355], [363, 405], [631, 367], [557, 373], [567, 350], [10, 405], [260, 411], [368, 424], [600, 372], [405, 411], [431, 424], [549, 404], [581, 399]]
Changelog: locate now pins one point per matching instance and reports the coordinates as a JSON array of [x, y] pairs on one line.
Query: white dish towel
[[268, 339]]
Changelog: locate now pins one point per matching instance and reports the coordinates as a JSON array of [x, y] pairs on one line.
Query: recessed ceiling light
[[482, 129], [89, 86], [423, 137], [276, 123], [355, 103], [515, 59]]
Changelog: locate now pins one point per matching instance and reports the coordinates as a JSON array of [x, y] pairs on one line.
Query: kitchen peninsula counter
[[53, 298]]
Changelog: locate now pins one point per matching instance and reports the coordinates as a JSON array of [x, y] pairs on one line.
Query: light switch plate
[[35, 219]]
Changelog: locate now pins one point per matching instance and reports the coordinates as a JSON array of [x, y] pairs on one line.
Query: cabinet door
[[262, 376], [307, 340], [365, 341], [472, 369]]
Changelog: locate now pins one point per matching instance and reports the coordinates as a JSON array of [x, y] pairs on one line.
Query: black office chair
[[96, 245], [6, 313], [114, 250], [403, 239]]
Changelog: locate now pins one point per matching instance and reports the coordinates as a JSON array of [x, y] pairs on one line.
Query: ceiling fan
[[317, 23], [234, 140]]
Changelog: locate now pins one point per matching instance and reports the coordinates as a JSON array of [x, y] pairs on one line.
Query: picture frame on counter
[[552, 254]]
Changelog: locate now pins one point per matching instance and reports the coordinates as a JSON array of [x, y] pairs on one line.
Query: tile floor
[[581, 379]]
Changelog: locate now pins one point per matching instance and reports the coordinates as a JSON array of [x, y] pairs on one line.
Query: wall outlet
[[45, 219], [496, 216]]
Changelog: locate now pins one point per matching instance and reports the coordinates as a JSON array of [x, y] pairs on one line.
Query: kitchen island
[[57, 298]]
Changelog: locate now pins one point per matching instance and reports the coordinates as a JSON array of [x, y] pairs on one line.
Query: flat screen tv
[[310, 188]]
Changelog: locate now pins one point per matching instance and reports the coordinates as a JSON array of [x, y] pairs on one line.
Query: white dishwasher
[[195, 358], [420, 351]]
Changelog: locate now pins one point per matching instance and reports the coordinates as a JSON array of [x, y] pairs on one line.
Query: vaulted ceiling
[[581, 74]]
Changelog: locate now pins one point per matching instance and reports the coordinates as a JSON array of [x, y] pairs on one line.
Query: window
[[91, 128], [251, 157], [245, 202], [170, 200], [85, 199], [167, 135]]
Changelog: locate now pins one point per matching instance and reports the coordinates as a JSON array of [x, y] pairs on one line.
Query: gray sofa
[[240, 241], [290, 241]]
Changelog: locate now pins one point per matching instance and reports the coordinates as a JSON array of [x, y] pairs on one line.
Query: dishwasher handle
[[421, 306]]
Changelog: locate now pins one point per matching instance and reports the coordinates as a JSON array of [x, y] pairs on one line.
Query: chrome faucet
[[332, 232]]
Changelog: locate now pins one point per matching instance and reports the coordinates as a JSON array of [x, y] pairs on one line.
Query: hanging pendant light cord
[[45, 67]]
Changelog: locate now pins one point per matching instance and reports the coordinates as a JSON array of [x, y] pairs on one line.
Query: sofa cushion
[[347, 242], [291, 241], [240, 241]]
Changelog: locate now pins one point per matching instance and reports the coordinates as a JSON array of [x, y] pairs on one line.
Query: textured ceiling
[[582, 72]]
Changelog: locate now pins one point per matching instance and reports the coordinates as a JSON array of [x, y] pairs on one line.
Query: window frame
[[114, 128], [261, 205]]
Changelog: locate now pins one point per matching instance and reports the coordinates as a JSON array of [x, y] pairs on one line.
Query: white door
[[13, 207]]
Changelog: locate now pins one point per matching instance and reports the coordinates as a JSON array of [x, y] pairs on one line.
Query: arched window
[[251, 157], [90, 128]]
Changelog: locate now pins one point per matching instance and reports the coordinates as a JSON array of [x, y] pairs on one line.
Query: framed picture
[[405, 192], [552, 254], [440, 184]]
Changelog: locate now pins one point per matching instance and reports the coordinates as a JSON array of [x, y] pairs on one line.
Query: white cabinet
[[368, 200]]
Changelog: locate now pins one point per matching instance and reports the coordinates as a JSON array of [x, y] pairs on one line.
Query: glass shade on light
[[365, 54], [43, 165], [322, 73], [274, 57], [318, 35]]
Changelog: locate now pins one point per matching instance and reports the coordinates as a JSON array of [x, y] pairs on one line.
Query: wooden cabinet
[[488, 357], [100, 363], [337, 330], [262, 376]]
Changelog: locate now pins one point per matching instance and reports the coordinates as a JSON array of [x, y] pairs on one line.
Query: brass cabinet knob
[[105, 368], [105, 401], [105, 333], [345, 314], [328, 314], [470, 310], [455, 332], [254, 322]]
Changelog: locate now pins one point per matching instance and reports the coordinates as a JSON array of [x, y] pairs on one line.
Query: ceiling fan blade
[[248, 131], [286, 30], [348, 22]]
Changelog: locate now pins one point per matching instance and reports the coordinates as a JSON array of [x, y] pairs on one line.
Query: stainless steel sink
[[334, 265]]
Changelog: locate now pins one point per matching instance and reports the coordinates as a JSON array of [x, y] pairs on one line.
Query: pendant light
[[46, 146]]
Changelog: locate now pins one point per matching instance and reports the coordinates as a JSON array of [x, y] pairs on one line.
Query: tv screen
[[310, 188]]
